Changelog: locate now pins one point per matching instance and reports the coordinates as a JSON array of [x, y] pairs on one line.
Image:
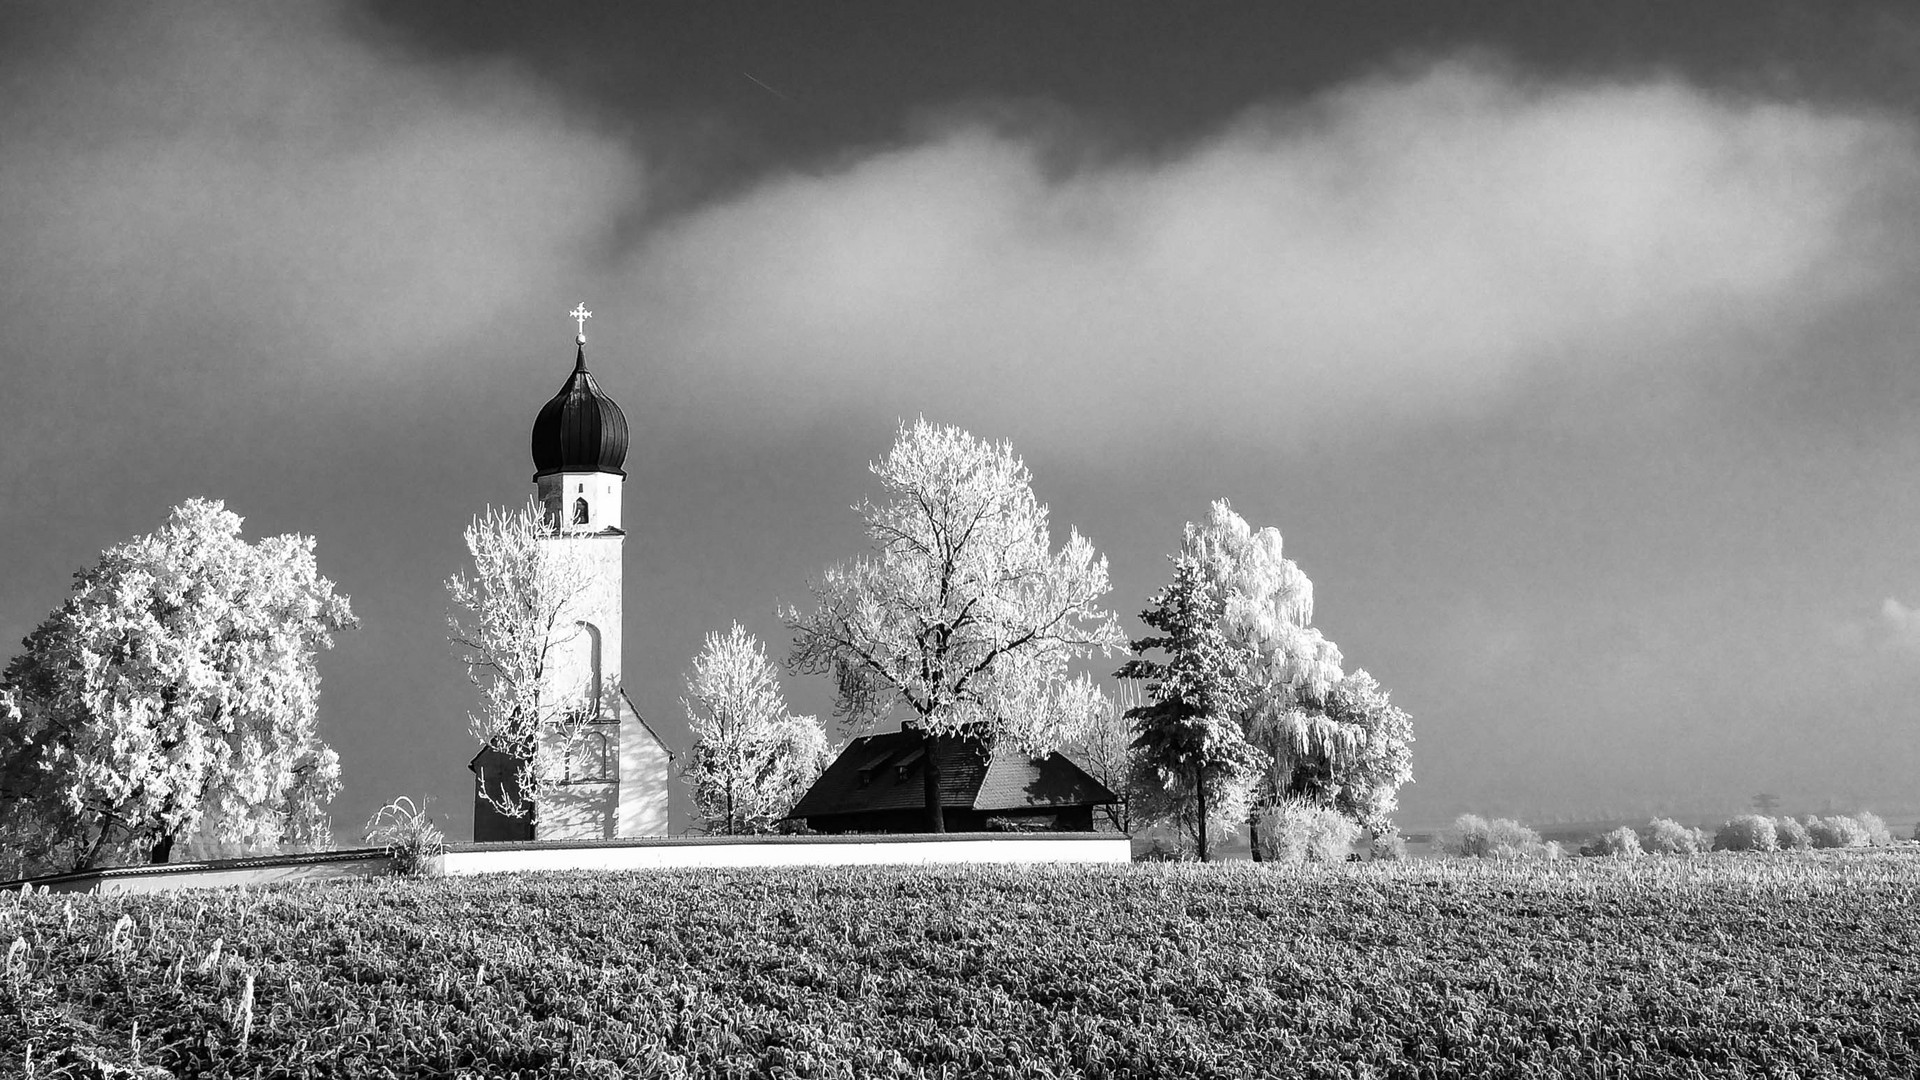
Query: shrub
[[411, 838], [1161, 849], [1622, 842], [1294, 831], [1878, 835], [1387, 846], [1838, 831], [1666, 836], [1016, 824], [1792, 835], [1748, 832], [1475, 837]]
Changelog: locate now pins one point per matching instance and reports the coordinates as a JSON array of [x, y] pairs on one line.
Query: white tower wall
[[561, 493], [633, 799], [585, 664]]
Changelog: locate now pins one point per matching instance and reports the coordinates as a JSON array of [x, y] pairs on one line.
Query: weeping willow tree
[[1322, 735]]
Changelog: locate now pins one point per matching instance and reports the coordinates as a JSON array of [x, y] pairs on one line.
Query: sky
[[1570, 347]]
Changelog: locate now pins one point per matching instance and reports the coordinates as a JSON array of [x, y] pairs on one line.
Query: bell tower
[[617, 770]]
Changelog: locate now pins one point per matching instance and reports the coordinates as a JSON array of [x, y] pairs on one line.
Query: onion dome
[[581, 429]]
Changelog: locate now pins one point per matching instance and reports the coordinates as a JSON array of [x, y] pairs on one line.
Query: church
[[616, 778]]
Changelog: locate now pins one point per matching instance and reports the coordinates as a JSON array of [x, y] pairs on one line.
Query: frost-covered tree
[[1328, 737], [1102, 743], [752, 759], [1369, 764], [1195, 762], [962, 616], [515, 617], [173, 694], [1318, 734]]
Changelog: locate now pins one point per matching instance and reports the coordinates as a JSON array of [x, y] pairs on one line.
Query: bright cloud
[[257, 196], [257, 189], [1406, 247]]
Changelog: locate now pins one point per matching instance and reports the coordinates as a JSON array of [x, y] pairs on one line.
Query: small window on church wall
[[579, 511], [590, 759]]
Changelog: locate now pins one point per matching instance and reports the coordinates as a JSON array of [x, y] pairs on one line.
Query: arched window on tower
[[592, 745], [594, 689], [579, 511]]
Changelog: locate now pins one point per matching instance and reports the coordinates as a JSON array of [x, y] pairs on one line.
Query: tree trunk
[[1200, 793], [91, 858], [1253, 833], [162, 850], [930, 769]]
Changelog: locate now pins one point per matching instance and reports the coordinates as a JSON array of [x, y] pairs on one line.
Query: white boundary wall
[[220, 874], [971, 848], [660, 853]]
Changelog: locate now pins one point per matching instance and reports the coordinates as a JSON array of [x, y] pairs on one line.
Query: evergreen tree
[[1195, 756]]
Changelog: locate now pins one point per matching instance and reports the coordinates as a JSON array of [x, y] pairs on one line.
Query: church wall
[[646, 774], [493, 772], [577, 812], [577, 801], [573, 811]]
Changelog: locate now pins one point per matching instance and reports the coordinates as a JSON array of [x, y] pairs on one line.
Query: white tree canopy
[[1369, 774], [962, 615], [515, 617], [174, 692], [1319, 733], [1319, 727], [752, 759], [1269, 604]]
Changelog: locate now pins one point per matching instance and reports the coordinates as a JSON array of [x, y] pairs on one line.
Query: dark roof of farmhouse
[[885, 772], [580, 429]]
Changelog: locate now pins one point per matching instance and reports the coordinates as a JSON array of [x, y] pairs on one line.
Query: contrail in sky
[[767, 88]]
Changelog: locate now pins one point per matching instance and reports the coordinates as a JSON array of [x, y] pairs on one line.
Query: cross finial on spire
[[581, 315]]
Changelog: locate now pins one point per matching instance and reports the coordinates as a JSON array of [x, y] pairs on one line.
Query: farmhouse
[[616, 779], [878, 785]]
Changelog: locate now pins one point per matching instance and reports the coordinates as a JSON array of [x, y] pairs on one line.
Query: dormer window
[[579, 511]]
